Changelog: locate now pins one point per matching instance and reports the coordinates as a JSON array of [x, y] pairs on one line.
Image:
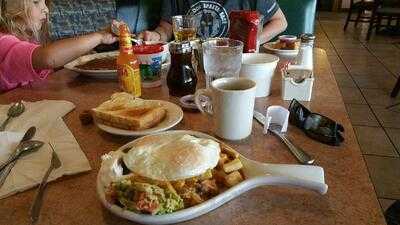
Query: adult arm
[[276, 25]]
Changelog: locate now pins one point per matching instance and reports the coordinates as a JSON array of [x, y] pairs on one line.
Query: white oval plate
[[109, 74], [173, 116], [269, 47], [256, 173]]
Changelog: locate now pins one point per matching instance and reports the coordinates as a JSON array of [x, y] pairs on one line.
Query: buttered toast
[[127, 112]]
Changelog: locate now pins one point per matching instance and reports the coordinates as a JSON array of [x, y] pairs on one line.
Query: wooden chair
[[361, 7], [394, 94], [381, 12]]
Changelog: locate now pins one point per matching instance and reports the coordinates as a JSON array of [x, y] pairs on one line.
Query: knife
[[299, 153], [4, 173]]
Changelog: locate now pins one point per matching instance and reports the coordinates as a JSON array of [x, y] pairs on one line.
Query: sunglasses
[[314, 125]]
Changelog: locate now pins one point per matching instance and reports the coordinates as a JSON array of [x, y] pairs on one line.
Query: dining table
[[350, 200]]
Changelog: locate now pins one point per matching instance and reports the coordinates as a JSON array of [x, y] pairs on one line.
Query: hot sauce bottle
[[127, 64]]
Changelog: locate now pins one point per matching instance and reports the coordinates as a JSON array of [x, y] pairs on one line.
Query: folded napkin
[[29, 170]]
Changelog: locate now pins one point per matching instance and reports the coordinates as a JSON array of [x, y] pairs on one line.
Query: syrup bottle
[[181, 78]]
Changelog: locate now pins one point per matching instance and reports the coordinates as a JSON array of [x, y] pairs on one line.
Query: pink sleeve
[[16, 63]]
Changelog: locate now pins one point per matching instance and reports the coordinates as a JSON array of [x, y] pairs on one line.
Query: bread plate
[[269, 47], [256, 174], [108, 74], [173, 116]]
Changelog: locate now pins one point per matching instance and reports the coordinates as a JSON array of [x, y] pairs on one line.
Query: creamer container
[[150, 60]]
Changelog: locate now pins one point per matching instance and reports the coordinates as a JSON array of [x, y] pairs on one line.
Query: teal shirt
[[140, 15], [212, 16]]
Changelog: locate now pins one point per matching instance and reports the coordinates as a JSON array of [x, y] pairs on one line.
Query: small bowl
[[187, 102], [287, 38], [166, 55]]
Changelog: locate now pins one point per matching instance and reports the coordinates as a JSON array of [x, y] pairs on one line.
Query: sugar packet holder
[[297, 82]]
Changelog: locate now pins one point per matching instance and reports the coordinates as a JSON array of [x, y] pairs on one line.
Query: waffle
[[127, 112]]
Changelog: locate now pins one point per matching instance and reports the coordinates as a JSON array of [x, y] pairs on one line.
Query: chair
[[389, 12], [396, 89], [300, 15], [361, 7]]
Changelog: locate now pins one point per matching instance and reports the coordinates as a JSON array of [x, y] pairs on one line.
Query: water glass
[[222, 57]]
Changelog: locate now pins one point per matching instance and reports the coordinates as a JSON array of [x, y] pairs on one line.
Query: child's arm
[[60, 52]]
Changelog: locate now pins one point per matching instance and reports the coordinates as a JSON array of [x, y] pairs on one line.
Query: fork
[[37, 204]]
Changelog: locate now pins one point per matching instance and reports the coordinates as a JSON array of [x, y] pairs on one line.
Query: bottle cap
[[180, 47], [307, 37]]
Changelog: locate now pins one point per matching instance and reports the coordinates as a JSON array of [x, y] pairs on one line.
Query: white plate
[[269, 47], [256, 173], [103, 73], [93, 73], [173, 116]]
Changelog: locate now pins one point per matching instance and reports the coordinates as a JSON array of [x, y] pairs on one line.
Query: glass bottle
[[127, 64], [181, 78], [305, 56]]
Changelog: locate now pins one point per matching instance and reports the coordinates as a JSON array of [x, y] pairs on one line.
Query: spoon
[[15, 110], [35, 145], [300, 155], [23, 149], [27, 136]]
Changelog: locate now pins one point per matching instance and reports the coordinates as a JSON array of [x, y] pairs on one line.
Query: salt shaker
[[304, 59]]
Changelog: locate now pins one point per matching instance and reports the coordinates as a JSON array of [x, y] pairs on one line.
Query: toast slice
[[127, 112]]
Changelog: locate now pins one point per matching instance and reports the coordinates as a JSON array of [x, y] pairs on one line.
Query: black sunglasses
[[314, 125]]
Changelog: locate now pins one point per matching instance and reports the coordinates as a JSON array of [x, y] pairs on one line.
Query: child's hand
[[107, 37], [115, 26]]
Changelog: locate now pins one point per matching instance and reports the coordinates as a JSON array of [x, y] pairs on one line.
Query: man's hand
[[162, 33], [149, 36]]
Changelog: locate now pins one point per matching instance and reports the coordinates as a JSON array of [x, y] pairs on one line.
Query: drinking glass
[[184, 27], [222, 57]]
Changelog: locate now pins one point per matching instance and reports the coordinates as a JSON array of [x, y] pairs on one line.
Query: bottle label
[[129, 80], [125, 45]]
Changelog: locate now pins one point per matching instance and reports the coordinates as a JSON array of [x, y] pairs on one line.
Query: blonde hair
[[15, 19]]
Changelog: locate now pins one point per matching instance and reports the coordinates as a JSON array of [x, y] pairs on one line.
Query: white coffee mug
[[259, 67], [232, 103]]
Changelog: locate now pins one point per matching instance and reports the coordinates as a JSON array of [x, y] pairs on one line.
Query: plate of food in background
[[286, 46], [125, 115], [104, 65]]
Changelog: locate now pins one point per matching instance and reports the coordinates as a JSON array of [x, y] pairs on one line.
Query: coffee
[[234, 86], [231, 100]]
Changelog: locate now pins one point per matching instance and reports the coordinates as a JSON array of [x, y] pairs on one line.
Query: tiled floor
[[366, 73]]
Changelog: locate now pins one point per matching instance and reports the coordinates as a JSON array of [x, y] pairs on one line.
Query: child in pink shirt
[[23, 25]]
